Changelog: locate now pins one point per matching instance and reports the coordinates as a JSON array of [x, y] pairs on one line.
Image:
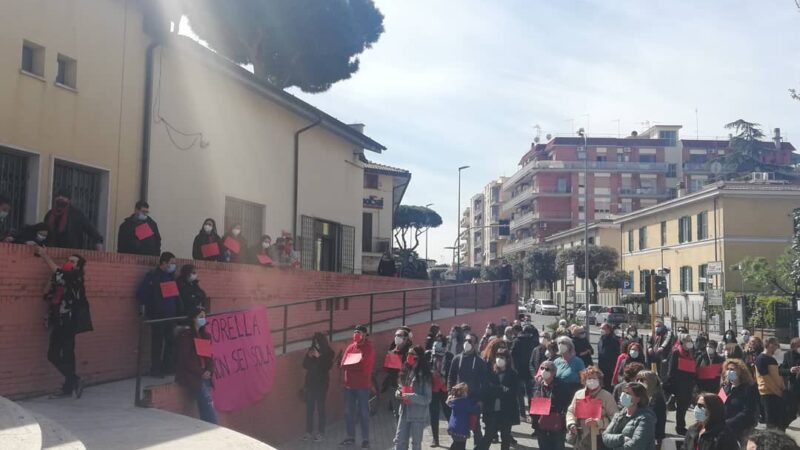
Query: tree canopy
[[310, 44], [781, 277], [746, 149], [612, 279], [601, 259], [540, 266], [413, 221]]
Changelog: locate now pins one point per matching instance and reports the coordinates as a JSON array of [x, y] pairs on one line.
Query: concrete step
[[56, 437], [19, 429]]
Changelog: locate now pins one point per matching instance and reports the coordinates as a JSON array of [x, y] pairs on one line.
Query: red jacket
[[190, 367], [359, 375]]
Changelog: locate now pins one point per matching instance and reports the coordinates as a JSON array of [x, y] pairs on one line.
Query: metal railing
[[464, 297]]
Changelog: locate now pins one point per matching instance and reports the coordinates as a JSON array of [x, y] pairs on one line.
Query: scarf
[[60, 215]]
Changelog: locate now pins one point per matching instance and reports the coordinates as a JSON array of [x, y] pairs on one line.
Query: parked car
[[545, 307], [580, 315], [613, 315], [522, 309]]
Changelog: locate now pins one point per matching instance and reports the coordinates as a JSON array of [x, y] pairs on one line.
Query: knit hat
[[361, 328]]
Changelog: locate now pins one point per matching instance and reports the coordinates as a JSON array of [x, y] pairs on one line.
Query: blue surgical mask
[[625, 400], [141, 216], [699, 413], [732, 376], [200, 321], [171, 268]]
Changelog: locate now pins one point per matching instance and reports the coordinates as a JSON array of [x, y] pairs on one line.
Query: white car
[[545, 307], [580, 314]]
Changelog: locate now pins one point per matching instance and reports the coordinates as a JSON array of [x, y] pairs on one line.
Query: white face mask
[[592, 384], [500, 363], [688, 346], [207, 228], [506, 338], [467, 346], [41, 237], [265, 244], [562, 349], [398, 340], [711, 351], [547, 353], [192, 277], [546, 375], [236, 231]]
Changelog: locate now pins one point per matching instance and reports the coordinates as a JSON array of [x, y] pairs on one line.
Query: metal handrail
[[330, 320]]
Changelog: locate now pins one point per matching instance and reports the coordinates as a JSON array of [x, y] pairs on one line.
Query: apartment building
[[465, 238], [723, 222], [483, 225]]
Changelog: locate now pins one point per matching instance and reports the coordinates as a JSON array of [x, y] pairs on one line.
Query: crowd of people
[[514, 374], [66, 226]]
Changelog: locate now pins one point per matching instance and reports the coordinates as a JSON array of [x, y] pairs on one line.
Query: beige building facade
[[384, 188]]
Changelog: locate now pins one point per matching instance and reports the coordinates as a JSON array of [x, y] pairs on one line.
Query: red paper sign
[[406, 390], [169, 289], [202, 347], [209, 250], [687, 365], [392, 361], [143, 231], [722, 395], [232, 244], [588, 408], [351, 358], [540, 406], [264, 259], [709, 372]]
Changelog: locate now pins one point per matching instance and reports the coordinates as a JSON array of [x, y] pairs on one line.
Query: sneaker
[[364, 444], [434, 444], [79, 388], [318, 437], [306, 437], [347, 442]]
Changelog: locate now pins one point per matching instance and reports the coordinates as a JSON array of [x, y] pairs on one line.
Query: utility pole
[[458, 234], [582, 133]]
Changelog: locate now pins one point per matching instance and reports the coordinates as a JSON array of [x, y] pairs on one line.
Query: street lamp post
[[426, 237], [582, 134], [458, 234]]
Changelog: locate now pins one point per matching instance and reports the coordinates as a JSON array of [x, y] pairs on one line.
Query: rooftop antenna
[[588, 118], [538, 129], [619, 135], [697, 124]]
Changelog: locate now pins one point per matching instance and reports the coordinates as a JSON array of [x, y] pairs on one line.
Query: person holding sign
[[159, 298], [357, 362], [709, 368], [548, 406], [195, 366], [317, 362], [680, 378], [234, 245], [207, 244], [739, 394], [138, 234], [259, 253], [192, 295], [591, 409], [393, 362], [440, 365], [634, 426], [709, 432], [500, 409], [414, 395]]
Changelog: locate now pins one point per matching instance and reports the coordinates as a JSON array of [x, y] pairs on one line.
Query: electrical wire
[[159, 119]]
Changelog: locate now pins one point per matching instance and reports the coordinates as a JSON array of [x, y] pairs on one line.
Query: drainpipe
[[297, 134], [146, 120]]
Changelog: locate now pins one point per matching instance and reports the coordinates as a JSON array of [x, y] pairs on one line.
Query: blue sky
[[463, 82]]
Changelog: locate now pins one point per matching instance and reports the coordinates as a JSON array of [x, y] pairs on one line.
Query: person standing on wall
[[386, 267], [357, 363], [770, 385], [195, 368], [138, 234], [317, 363], [6, 232], [207, 244], [68, 225], [234, 245], [259, 253], [159, 298], [68, 315]]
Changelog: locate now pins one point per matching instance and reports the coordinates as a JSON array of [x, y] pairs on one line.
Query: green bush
[[762, 310]]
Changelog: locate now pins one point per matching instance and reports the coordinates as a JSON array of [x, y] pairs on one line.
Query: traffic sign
[[627, 287], [715, 297], [714, 268], [570, 274]]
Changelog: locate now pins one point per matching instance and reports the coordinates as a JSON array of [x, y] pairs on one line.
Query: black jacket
[[192, 295], [67, 303], [741, 408], [581, 345], [127, 242], [318, 369], [386, 268], [502, 386], [202, 239], [72, 236], [659, 406], [607, 352], [677, 381], [521, 352], [716, 439], [5, 228], [27, 234], [790, 359], [703, 360]]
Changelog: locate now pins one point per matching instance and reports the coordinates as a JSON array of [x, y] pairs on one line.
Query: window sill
[[32, 75], [65, 87]]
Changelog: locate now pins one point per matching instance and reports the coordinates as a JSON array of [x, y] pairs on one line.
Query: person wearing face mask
[[433, 335], [6, 230], [521, 352], [771, 386], [455, 343], [658, 403], [399, 348], [259, 253], [628, 376], [568, 365], [540, 354], [581, 429], [317, 363], [583, 348], [469, 368], [234, 245], [551, 430], [159, 298], [68, 314], [680, 379], [700, 343], [192, 295], [709, 382], [207, 245], [608, 351], [357, 362], [660, 346], [709, 432], [32, 235], [634, 426], [138, 234], [727, 338], [632, 335], [500, 402], [489, 334], [415, 398], [194, 372], [631, 354], [790, 371], [741, 399], [68, 226], [440, 361]]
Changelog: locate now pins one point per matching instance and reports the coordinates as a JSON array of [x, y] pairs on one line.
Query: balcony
[[519, 245], [604, 166], [538, 216], [643, 192], [522, 220], [533, 192]]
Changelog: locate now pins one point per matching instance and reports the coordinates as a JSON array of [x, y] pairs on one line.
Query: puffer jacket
[[631, 433], [416, 408]]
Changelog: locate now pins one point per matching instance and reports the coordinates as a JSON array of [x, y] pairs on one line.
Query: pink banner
[[244, 358]]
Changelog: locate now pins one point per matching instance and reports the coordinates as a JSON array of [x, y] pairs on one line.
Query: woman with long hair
[[634, 425], [709, 432], [490, 352], [414, 395], [207, 243], [234, 245], [632, 353], [194, 371], [740, 399], [733, 351], [489, 334], [500, 408], [317, 362], [658, 403], [192, 295]]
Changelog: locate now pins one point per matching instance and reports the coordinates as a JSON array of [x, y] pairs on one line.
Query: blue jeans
[[409, 432], [356, 402], [205, 404]]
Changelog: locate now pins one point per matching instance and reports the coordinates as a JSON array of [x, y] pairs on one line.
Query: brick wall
[[109, 352], [280, 415]]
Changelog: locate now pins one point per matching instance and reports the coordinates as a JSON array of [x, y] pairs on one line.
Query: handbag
[[551, 422]]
